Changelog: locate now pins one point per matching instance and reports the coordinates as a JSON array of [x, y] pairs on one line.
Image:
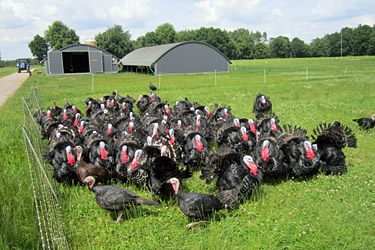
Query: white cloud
[[213, 11], [277, 12]]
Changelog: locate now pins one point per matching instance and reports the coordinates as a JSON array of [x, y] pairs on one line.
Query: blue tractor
[[23, 64]]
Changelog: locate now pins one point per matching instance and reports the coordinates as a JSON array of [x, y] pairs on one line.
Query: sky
[[21, 20]]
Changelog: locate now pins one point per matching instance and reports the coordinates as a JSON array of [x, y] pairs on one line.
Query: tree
[[165, 34], [300, 48], [362, 35], [115, 41], [186, 35], [262, 51], [38, 47], [244, 43], [58, 35], [280, 47], [320, 47]]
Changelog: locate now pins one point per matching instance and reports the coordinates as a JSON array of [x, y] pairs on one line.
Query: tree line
[[238, 44]]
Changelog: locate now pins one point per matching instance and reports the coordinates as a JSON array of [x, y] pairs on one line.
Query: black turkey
[[116, 198], [140, 166], [195, 149], [195, 205], [262, 104], [366, 123], [64, 162], [269, 158], [162, 169], [301, 159], [151, 86], [102, 153], [237, 177], [330, 140], [125, 147], [268, 125]]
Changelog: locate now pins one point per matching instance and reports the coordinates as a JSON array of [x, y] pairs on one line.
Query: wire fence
[[45, 192]]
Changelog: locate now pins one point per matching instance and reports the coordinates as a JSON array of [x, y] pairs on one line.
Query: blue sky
[[21, 20]]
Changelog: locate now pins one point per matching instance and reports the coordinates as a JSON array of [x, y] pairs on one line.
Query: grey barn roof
[[148, 56]]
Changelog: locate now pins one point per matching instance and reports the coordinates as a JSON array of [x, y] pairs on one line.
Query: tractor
[[23, 64]]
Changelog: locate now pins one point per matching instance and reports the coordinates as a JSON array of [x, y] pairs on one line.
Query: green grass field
[[7, 70], [322, 212]]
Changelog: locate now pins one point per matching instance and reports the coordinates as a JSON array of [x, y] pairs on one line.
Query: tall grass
[[321, 212]]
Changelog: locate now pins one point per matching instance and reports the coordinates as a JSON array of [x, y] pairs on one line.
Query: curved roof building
[[176, 58], [80, 59]]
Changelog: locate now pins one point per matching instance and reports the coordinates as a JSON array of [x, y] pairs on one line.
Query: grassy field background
[[322, 212]]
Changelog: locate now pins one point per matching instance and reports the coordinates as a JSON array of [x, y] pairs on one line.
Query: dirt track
[[9, 85]]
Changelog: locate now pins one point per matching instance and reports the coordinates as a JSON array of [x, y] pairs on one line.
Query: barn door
[[96, 62], [55, 63]]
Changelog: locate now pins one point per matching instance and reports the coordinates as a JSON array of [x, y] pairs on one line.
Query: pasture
[[321, 212]]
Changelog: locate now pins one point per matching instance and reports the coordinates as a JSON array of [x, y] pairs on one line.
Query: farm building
[[80, 59], [175, 58]]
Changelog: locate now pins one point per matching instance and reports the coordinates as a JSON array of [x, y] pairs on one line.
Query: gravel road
[[9, 84]]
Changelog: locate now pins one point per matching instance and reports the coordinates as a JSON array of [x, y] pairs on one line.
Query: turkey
[[125, 147], [301, 159], [101, 153], [195, 205], [268, 125], [140, 166], [128, 100], [366, 123], [195, 149], [143, 102], [235, 139], [237, 177], [85, 169], [151, 86], [262, 104], [64, 162], [116, 198], [162, 169], [269, 158], [330, 140]]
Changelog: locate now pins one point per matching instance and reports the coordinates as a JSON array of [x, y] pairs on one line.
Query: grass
[[322, 212], [7, 70]]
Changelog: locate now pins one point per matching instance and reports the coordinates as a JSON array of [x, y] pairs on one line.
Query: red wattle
[[199, 145], [71, 159], [265, 154], [103, 153], [171, 141], [244, 136], [310, 153], [124, 157], [273, 125], [134, 163], [80, 129], [252, 128], [75, 122]]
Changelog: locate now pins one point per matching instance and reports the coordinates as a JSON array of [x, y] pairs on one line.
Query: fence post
[[265, 76], [92, 83], [345, 70], [215, 77], [307, 73], [159, 80]]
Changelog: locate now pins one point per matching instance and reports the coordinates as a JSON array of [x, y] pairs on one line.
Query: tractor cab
[[23, 64]]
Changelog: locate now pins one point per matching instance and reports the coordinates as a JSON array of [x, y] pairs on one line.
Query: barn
[[175, 58], [80, 59]]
